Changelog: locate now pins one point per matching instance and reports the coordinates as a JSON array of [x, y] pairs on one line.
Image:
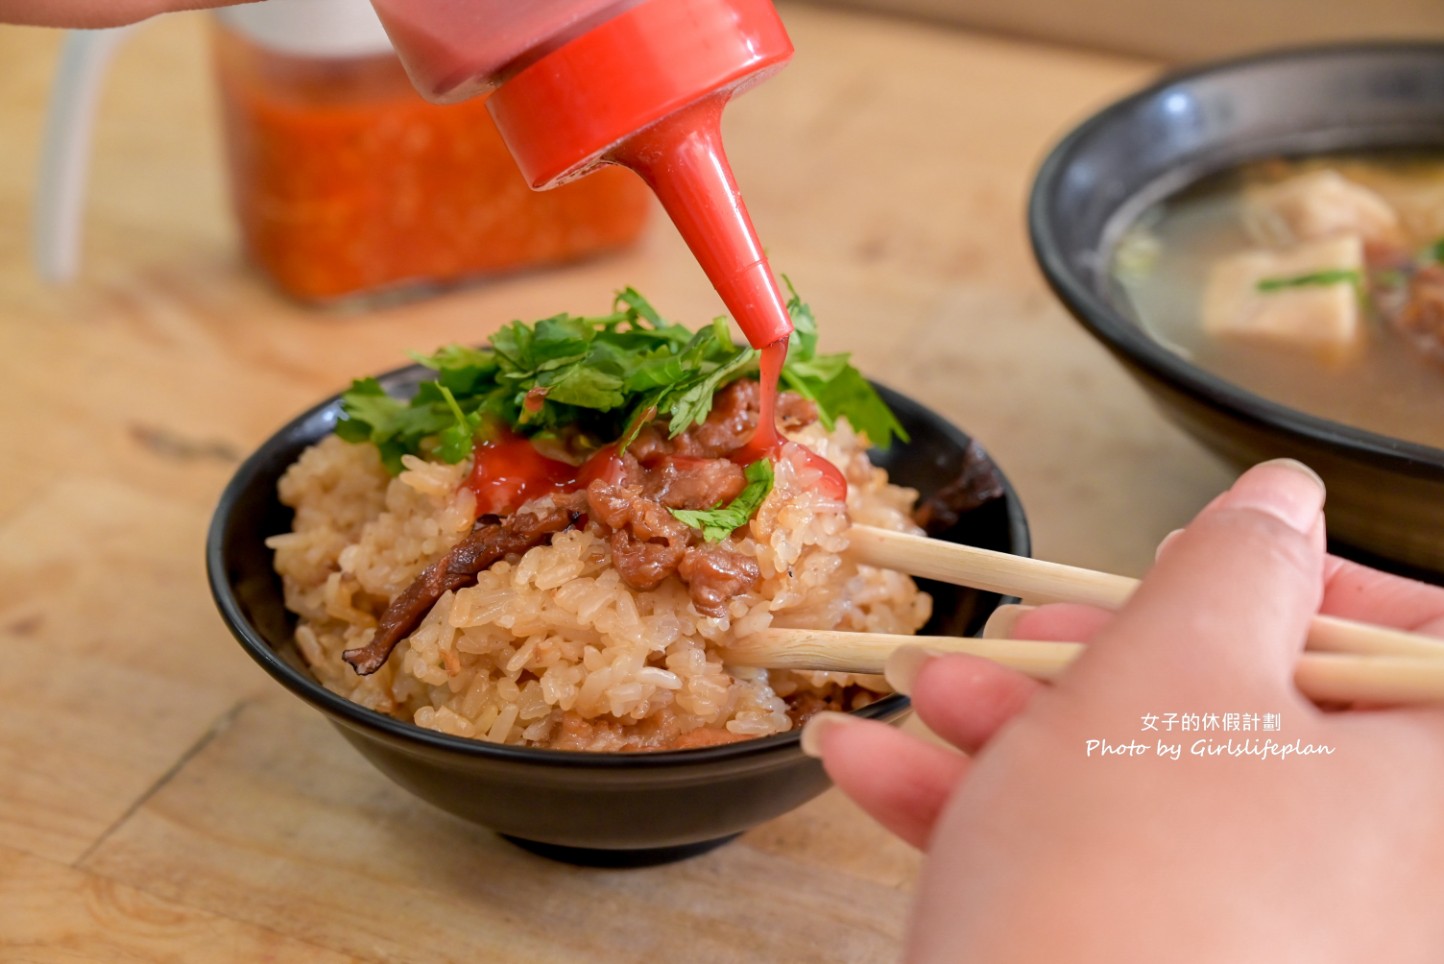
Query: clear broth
[[1162, 265]]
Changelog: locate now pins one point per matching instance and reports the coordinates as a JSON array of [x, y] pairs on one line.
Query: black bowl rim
[[418, 738], [1412, 458]]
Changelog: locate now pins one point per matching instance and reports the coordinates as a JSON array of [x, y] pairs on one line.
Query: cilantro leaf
[[803, 345], [458, 367], [848, 393], [367, 411], [718, 523], [638, 305], [457, 439], [691, 402], [832, 383], [601, 377], [584, 386], [370, 415]]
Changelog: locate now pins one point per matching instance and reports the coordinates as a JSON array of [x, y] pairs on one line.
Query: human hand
[[90, 14], [1039, 851]]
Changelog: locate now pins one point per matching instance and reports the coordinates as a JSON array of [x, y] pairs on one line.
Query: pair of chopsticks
[[1348, 661]]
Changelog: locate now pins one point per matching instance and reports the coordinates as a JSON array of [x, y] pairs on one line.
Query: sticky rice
[[552, 649]]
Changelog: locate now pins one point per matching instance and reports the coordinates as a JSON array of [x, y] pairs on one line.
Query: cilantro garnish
[[832, 383], [601, 377], [1331, 276], [459, 438], [718, 522], [394, 427]]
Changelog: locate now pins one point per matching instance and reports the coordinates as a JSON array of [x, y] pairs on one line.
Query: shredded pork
[[490, 541]]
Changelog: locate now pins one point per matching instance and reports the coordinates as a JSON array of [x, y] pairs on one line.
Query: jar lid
[[310, 28]]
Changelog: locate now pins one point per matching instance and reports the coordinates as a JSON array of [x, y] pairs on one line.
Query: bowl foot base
[[593, 857]]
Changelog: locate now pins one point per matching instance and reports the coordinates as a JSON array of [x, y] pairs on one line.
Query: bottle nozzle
[[681, 159]]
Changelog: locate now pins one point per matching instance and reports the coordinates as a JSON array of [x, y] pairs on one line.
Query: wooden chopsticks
[[837, 651], [1038, 581], [1349, 661], [1335, 677]]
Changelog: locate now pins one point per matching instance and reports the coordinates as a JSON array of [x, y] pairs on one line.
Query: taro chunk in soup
[[1314, 283]]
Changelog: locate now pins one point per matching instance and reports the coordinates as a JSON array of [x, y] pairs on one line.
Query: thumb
[[1228, 605]]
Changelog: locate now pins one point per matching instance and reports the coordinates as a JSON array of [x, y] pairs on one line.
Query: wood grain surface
[[162, 799]]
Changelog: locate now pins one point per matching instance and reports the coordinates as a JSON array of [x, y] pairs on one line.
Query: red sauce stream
[[767, 442], [770, 364]]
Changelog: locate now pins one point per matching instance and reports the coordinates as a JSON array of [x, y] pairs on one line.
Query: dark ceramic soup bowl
[[614, 809], [1386, 495]]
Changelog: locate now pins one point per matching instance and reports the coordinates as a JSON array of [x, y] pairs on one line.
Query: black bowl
[[615, 809], [1386, 495]]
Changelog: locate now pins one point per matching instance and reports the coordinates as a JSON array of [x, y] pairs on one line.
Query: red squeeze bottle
[[583, 83]]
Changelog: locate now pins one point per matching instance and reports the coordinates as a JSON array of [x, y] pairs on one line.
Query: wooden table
[[161, 798]]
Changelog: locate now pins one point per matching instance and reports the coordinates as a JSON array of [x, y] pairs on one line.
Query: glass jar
[[346, 182]]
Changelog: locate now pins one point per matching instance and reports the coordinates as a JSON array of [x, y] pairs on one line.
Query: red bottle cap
[[561, 114], [645, 90]]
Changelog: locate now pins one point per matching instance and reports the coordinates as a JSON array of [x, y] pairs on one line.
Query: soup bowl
[[610, 809], [1386, 494]]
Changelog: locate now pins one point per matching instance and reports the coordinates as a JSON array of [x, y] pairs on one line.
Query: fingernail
[[1297, 466], [1164, 544], [1286, 489], [813, 729], [903, 665], [1000, 624]]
